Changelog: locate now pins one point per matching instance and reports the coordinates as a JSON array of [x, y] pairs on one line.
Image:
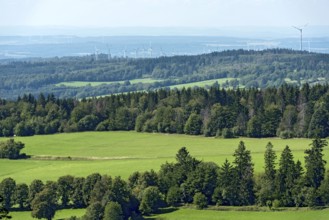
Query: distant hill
[[89, 76]]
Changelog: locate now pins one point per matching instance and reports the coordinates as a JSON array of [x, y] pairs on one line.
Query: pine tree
[[286, 177], [244, 170], [314, 163], [270, 158]]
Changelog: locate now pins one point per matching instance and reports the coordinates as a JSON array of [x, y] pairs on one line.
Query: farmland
[[122, 153], [192, 214]]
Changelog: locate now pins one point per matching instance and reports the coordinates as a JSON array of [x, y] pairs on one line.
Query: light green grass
[[192, 214], [202, 83], [122, 153], [60, 214], [82, 83]]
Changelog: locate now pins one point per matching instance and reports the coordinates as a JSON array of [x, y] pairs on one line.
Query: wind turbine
[[96, 53], [300, 29], [108, 53]]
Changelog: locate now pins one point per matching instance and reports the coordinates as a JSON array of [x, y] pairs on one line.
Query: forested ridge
[[258, 69], [287, 111], [185, 181]]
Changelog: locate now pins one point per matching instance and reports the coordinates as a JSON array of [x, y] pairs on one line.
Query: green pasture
[[202, 83], [122, 153], [60, 214], [83, 83], [192, 214]]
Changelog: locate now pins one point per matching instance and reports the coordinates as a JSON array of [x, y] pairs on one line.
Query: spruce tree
[[244, 170], [314, 163]]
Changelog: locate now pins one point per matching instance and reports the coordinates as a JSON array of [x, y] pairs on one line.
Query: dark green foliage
[[94, 211], [44, 204], [21, 195], [11, 149], [174, 196], [314, 163], [35, 187], [244, 169], [65, 188], [224, 193], [319, 127], [88, 186], [193, 125], [287, 177], [200, 201], [151, 201], [286, 112], [266, 193], [4, 213], [7, 190], [77, 195], [113, 211]]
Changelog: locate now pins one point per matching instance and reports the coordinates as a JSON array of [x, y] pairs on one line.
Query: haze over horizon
[[120, 15]]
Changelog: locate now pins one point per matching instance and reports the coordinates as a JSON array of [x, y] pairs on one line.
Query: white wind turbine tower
[[109, 53], [300, 29], [96, 53], [150, 50]]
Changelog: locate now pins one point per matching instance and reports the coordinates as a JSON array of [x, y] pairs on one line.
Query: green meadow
[[192, 214], [60, 214], [121, 153], [202, 83], [83, 83]]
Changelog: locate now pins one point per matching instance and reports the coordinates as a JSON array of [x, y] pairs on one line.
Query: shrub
[[200, 201]]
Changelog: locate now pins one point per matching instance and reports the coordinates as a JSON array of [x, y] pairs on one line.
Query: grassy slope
[[202, 83], [121, 153], [60, 214], [82, 83], [193, 214]]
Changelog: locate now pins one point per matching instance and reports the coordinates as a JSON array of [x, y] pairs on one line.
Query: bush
[[227, 133], [286, 134], [173, 196], [11, 149], [200, 201]]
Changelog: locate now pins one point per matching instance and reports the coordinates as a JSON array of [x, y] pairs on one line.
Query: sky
[[163, 13]]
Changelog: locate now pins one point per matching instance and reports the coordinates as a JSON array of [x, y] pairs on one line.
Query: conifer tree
[[314, 163]]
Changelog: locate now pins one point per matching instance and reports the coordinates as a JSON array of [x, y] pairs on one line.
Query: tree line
[[259, 69], [185, 181], [286, 112]]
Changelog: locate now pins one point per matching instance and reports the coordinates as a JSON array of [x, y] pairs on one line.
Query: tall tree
[[7, 189], [44, 204], [244, 169], [315, 164], [286, 177], [270, 158], [113, 211], [21, 195], [65, 188]]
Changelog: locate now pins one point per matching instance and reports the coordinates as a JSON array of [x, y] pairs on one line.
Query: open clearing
[[202, 83], [83, 83], [60, 214], [193, 214], [122, 153]]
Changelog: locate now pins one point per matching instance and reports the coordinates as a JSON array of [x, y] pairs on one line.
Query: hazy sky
[[164, 13]]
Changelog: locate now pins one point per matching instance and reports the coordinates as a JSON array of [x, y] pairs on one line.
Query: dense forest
[[256, 69], [287, 111], [185, 181]]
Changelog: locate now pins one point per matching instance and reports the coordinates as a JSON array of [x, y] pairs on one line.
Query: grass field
[[192, 214], [202, 83], [82, 83], [122, 153], [60, 214]]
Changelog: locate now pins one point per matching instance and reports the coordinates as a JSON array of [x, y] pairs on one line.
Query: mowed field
[[122, 153], [193, 214]]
